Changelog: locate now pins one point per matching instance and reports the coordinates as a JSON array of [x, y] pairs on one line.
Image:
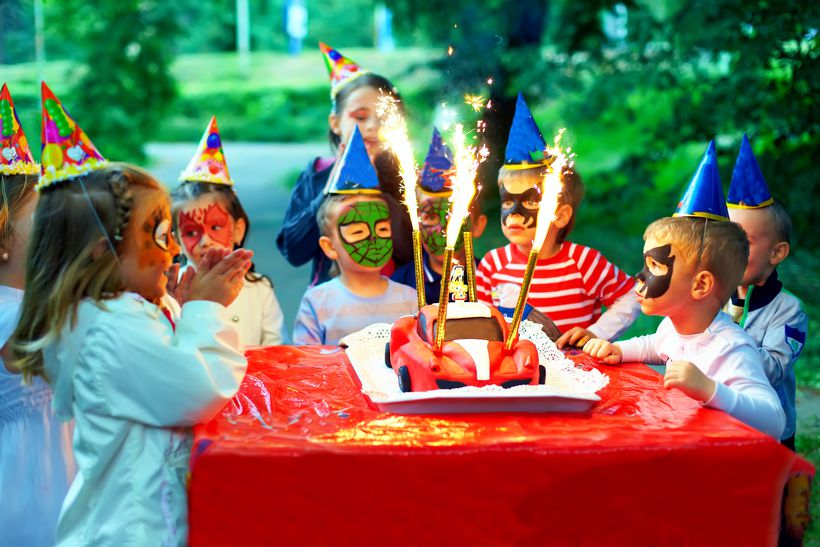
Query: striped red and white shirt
[[569, 287]]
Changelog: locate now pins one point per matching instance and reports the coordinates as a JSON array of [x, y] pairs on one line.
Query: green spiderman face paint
[[433, 214], [364, 228]]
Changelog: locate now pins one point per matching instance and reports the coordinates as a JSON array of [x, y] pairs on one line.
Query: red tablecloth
[[301, 457]]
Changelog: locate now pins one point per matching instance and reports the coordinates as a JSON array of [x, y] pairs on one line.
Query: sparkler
[[466, 161], [550, 190], [394, 132]]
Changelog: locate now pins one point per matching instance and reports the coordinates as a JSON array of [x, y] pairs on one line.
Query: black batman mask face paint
[[524, 205], [656, 274]]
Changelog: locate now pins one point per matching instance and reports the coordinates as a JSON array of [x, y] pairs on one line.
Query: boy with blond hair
[[692, 263], [770, 314]]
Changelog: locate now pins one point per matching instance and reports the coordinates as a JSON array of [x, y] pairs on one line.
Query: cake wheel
[[404, 379], [387, 355]]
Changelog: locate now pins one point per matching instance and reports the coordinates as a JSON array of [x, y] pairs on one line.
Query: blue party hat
[[704, 196], [748, 189], [439, 160], [354, 174], [525, 139]]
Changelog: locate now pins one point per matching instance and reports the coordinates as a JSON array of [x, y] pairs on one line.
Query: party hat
[[704, 195], [341, 69], [15, 155], [67, 150], [439, 160], [525, 139], [748, 189], [208, 163], [354, 174]]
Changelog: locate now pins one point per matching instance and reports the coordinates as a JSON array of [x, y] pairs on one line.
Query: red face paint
[[213, 223]]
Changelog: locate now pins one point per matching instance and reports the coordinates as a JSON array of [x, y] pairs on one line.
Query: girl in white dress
[[208, 215], [36, 463], [133, 380]]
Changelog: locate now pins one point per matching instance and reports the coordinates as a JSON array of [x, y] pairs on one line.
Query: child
[[207, 215], [571, 281], [132, 380], [36, 463], [692, 264], [771, 315], [433, 192], [354, 93], [356, 234]]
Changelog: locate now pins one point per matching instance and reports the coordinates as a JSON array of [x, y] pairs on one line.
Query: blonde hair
[[15, 191], [720, 247], [77, 226], [572, 192]]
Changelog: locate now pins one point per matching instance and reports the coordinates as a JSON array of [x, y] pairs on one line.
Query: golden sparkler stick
[[522, 299], [469, 258], [419, 267], [444, 297]]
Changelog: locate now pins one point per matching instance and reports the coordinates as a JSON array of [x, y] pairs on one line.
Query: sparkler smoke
[[394, 132], [466, 162], [550, 190]]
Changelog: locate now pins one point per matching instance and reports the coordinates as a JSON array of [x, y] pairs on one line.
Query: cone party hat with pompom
[[748, 189], [67, 151], [15, 155], [704, 196], [208, 163], [341, 69], [524, 140], [354, 174], [435, 175]]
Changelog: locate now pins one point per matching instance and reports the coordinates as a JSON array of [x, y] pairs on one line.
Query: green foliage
[[124, 87]]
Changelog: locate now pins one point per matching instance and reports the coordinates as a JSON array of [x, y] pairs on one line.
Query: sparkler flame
[[550, 189], [476, 102], [466, 161], [394, 133]]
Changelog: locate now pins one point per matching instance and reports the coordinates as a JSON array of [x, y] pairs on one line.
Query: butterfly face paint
[[519, 209], [433, 215], [656, 274], [364, 228], [206, 227]]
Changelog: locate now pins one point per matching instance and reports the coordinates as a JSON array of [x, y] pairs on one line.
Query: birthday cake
[[472, 350]]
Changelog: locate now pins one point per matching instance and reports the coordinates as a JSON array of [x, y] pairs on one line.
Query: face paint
[[524, 204], [657, 271], [212, 221], [433, 215], [364, 228], [157, 241]]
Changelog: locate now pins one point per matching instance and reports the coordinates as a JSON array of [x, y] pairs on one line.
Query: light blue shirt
[[330, 311]]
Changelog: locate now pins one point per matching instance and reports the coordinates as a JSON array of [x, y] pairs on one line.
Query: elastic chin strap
[[100, 225]]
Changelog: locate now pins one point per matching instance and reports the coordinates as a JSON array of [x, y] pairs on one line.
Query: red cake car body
[[472, 353]]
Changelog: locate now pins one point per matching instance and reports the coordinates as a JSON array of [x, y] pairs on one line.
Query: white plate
[[574, 390]]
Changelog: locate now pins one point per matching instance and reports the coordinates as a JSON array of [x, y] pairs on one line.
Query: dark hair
[[368, 79], [191, 190], [572, 192]]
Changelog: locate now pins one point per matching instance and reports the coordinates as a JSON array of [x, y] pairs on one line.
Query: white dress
[[36, 463], [134, 386]]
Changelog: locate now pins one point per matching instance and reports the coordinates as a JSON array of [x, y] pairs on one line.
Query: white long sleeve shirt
[[134, 387], [727, 355]]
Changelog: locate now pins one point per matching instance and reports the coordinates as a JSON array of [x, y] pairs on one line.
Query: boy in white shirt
[[693, 262]]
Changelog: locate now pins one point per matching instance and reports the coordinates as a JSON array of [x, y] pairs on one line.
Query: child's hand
[[604, 350], [183, 287], [220, 276], [576, 336], [689, 379], [172, 283]]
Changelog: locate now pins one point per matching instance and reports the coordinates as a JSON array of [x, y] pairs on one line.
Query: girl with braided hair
[[133, 380]]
